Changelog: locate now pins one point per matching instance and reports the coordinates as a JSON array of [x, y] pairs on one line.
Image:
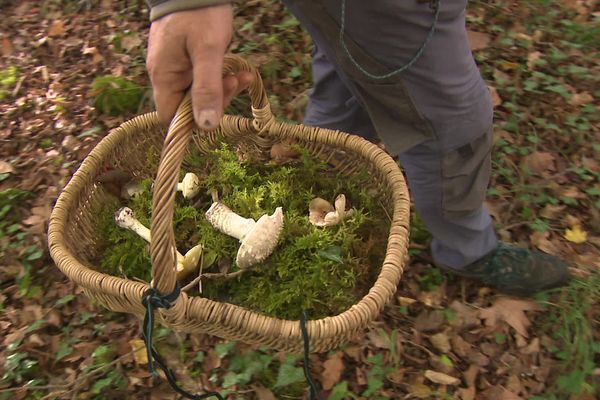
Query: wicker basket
[[74, 241]]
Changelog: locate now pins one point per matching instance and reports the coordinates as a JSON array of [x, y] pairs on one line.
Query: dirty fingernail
[[207, 119]]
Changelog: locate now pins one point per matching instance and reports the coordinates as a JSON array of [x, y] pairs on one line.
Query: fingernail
[[207, 119]]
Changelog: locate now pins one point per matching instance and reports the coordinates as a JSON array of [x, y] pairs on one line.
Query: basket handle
[[162, 246]]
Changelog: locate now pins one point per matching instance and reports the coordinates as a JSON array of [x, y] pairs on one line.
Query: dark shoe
[[517, 271]]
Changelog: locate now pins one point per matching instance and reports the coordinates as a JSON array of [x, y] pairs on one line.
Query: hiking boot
[[516, 271]]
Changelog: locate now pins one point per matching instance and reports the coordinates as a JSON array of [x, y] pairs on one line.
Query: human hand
[[186, 49]]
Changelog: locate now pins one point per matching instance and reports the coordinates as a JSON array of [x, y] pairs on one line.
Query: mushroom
[[125, 218], [189, 186], [322, 213], [258, 238]]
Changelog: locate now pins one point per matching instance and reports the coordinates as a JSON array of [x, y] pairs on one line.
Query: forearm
[[160, 8]]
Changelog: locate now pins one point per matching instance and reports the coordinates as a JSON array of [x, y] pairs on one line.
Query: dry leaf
[[131, 41], [442, 379], [460, 346], [333, 368], [139, 351], [57, 28], [511, 311], [496, 99], [441, 342], [466, 316], [420, 391], [539, 162], [7, 47], [540, 240], [551, 211], [478, 40], [262, 393], [532, 58], [508, 395], [579, 99], [6, 167], [576, 235]]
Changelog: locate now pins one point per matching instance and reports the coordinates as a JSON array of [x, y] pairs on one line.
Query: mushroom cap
[[318, 208], [261, 240], [190, 185], [189, 261], [125, 217]]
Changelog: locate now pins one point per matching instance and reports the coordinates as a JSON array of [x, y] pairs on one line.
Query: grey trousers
[[436, 116]]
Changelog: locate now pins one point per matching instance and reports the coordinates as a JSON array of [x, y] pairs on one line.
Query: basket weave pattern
[[74, 238]]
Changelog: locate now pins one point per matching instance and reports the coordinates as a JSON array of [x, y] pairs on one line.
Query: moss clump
[[320, 270]]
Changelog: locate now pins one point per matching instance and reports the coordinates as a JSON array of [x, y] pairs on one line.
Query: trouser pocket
[[465, 176]]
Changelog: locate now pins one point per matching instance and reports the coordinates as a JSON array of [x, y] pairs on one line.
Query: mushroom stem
[[225, 220], [125, 218], [258, 239]]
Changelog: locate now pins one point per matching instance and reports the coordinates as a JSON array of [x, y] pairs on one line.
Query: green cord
[[436, 7]]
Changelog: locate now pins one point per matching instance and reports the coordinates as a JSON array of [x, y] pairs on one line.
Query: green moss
[[321, 270]]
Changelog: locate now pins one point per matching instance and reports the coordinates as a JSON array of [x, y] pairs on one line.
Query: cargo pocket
[[465, 177]]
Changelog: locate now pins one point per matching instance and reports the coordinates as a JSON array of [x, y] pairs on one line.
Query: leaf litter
[[543, 86]]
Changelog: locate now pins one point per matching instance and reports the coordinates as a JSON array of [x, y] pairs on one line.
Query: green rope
[[152, 300], [436, 7]]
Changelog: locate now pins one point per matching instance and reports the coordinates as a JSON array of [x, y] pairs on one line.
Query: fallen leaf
[[532, 58], [478, 40], [511, 311], [460, 346], [582, 98], [466, 316], [442, 379], [377, 339], [508, 395], [539, 162], [420, 391], [262, 393], [496, 99], [131, 41], [429, 321], [6, 167], [333, 368], [7, 47], [532, 348], [576, 235], [441, 342], [139, 351], [551, 211], [57, 28], [540, 240]]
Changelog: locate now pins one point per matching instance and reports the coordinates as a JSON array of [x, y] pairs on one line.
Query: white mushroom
[[258, 239], [322, 213], [189, 186], [125, 218]]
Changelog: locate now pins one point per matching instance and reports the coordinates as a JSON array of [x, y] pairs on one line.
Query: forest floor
[[441, 338]]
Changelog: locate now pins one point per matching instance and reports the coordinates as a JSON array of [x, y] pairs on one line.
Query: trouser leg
[[331, 104], [447, 173], [448, 189]]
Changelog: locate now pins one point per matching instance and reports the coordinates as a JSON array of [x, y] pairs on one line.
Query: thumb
[[207, 91]]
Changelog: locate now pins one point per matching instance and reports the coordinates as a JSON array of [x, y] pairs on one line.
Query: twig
[[223, 275]]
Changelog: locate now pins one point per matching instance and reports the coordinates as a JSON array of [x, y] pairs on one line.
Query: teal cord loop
[[435, 5], [313, 386], [152, 300]]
